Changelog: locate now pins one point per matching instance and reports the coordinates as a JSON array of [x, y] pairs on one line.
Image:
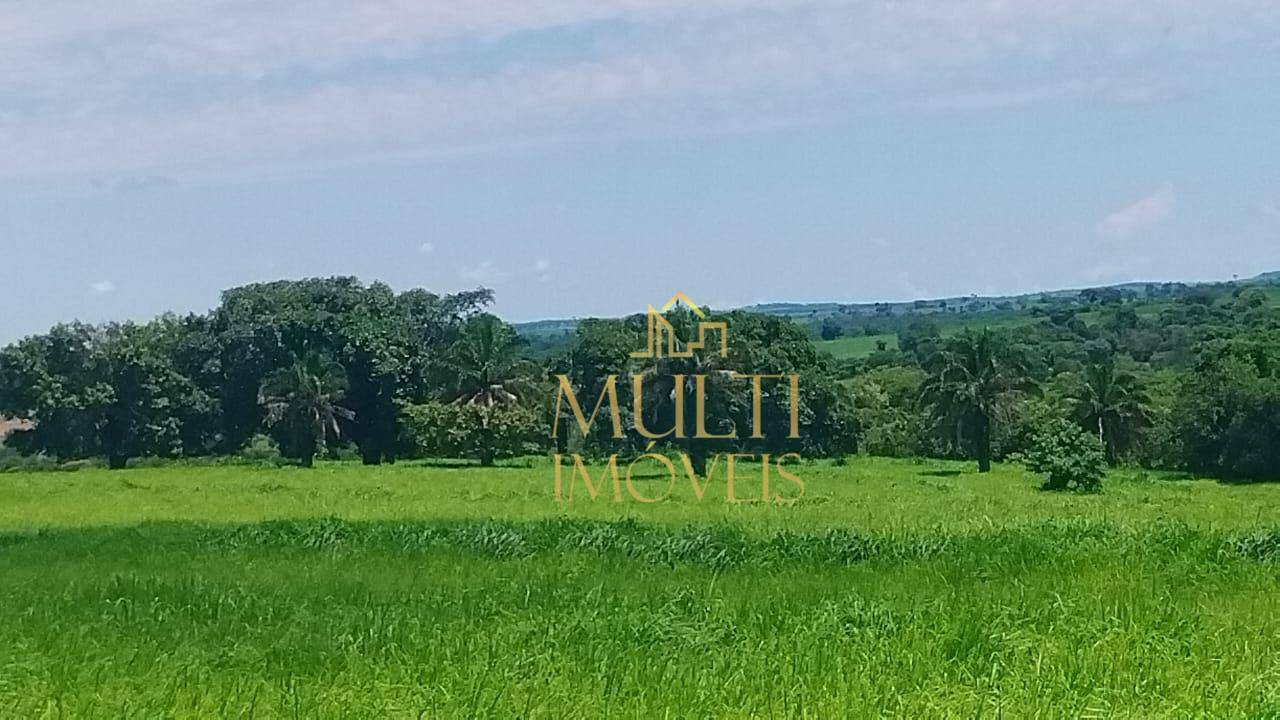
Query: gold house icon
[[659, 329]]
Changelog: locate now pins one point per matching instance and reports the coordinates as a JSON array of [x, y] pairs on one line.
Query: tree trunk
[[307, 451], [697, 452], [117, 462], [486, 458], [698, 461], [370, 454], [1107, 451], [562, 442], [984, 443]]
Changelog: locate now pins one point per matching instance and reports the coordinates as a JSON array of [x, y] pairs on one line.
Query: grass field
[[857, 346], [852, 347], [891, 588]]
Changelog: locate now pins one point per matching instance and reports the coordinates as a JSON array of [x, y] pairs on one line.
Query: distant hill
[[867, 327]]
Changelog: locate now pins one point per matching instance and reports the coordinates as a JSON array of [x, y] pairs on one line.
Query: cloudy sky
[[592, 156]]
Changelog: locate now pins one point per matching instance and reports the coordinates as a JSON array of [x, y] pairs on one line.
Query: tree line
[[1187, 379], [320, 367]]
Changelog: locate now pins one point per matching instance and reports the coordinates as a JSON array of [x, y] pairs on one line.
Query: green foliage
[[13, 461], [1229, 409], [301, 405], [920, 338], [831, 330], [887, 417], [758, 344], [1069, 457], [1112, 403], [262, 449], [1025, 419], [1168, 376], [392, 348], [972, 382], [472, 430], [1162, 443], [101, 392], [485, 366]]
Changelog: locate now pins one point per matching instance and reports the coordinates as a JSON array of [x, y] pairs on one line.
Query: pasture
[[892, 588]]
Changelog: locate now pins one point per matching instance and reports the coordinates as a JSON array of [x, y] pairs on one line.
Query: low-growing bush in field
[[261, 448], [485, 433], [13, 461], [1069, 457]]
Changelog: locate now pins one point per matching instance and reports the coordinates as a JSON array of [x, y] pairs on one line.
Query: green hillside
[[864, 327]]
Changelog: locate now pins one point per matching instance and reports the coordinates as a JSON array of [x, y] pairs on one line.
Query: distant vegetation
[[287, 585], [1161, 375]]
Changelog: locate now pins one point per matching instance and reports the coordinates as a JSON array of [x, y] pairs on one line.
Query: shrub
[[452, 430], [261, 449], [1071, 458], [12, 460]]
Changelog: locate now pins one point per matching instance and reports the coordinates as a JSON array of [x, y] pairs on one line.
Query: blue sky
[[591, 156]]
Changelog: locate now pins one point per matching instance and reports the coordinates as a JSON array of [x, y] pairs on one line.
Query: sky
[[589, 157]]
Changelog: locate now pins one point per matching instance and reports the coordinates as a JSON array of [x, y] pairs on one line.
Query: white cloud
[[489, 273], [154, 88], [1139, 215], [103, 287], [485, 273], [426, 248]]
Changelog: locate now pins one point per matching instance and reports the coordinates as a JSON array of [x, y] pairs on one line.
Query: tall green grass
[[445, 592]]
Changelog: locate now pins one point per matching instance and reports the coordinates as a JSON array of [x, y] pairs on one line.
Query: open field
[[852, 347], [900, 588], [857, 346]]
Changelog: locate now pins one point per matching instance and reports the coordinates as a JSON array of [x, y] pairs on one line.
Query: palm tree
[[971, 382], [1112, 402], [488, 372], [302, 399]]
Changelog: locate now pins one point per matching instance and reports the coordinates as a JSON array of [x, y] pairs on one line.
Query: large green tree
[[490, 381], [393, 348], [970, 385], [109, 391], [758, 344], [301, 402], [1229, 408], [599, 350], [1111, 403]]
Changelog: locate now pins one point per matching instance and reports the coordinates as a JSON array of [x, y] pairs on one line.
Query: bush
[[1071, 458], [12, 460], [886, 413], [451, 430], [261, 449]]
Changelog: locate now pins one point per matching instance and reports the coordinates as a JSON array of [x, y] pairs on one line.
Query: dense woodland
[[1162, 376]]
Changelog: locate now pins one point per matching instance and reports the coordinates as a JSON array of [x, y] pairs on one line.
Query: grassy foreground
[[892, 588]]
